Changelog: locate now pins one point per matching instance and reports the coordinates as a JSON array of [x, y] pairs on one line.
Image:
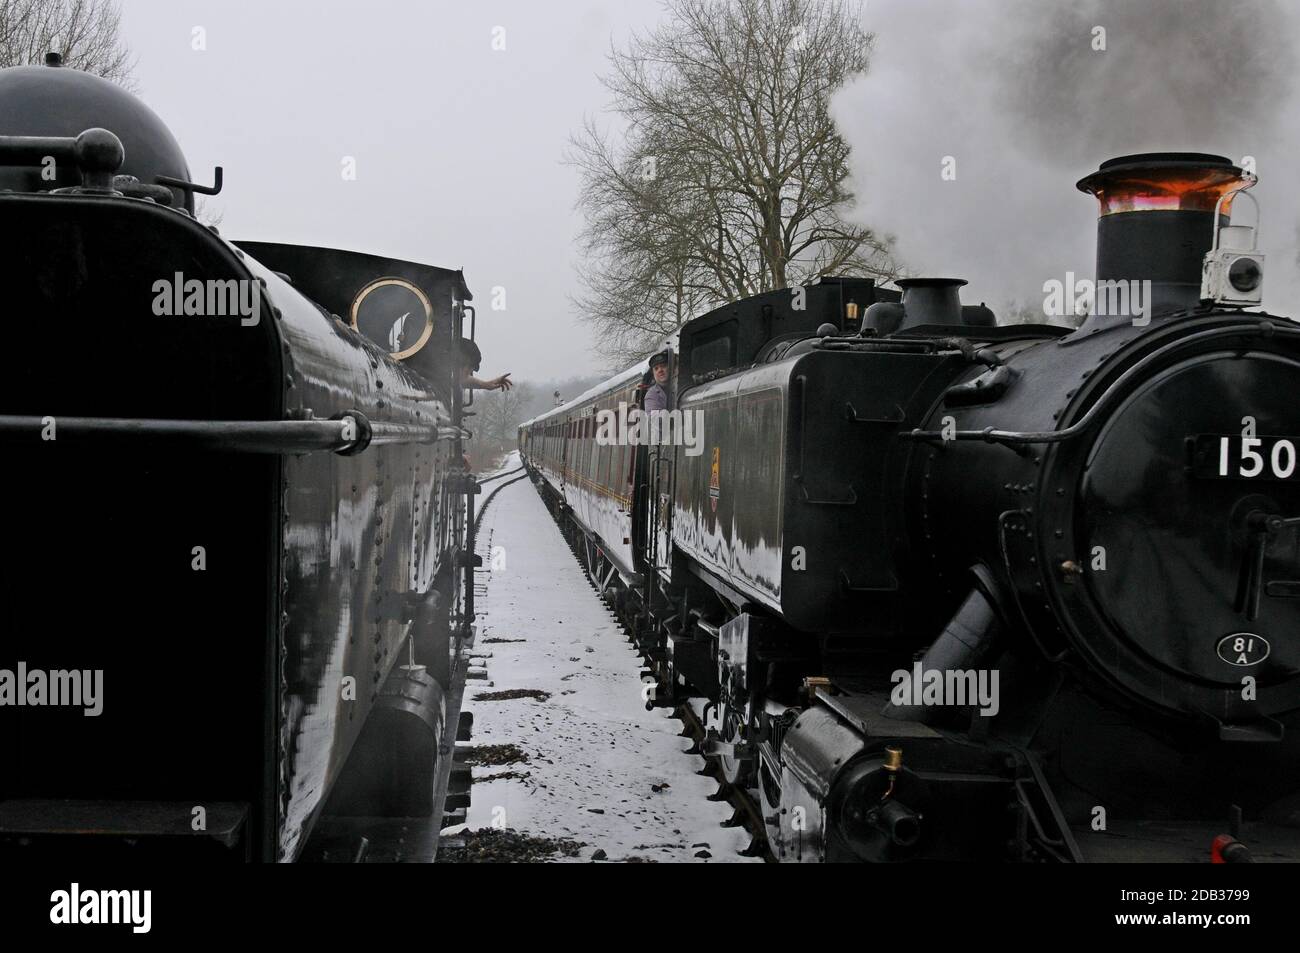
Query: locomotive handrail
[[349, 433], [1250, 183], [1015, 439], [184, 186]]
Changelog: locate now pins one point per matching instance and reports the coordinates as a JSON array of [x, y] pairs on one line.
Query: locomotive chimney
[[1156, 223], [928, 301]]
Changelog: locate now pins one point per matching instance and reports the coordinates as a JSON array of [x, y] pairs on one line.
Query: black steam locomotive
[[961, 590], [233, 594]]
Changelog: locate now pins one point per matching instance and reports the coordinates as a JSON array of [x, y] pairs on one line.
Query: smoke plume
[[976, 118]]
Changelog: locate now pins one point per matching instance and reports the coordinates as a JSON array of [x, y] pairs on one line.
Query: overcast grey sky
[[458, 146]]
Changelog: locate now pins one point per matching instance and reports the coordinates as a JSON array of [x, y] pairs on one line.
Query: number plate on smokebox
[[1234, 457]]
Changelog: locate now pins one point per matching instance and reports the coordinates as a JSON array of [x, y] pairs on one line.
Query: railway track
[[478, 517]]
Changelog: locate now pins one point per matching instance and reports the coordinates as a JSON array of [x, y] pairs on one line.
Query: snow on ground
[[601, 769]]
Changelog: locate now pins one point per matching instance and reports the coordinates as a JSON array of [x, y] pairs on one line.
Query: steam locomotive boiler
[[233, 597], [958, 590]]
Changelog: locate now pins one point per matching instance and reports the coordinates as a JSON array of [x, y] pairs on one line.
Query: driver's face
[[661, 373]]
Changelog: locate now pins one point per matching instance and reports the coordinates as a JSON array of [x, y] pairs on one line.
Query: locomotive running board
[[869, 721]]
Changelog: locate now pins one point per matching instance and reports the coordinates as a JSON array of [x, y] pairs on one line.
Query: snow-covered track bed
[[567, 762]]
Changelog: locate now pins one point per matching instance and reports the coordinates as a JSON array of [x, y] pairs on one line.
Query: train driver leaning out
[[470, 359], [657, 396]]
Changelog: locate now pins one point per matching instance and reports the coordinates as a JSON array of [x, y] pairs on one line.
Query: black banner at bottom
[[1226, 902]]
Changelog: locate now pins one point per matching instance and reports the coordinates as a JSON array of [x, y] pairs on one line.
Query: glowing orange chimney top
[[1163, 181]]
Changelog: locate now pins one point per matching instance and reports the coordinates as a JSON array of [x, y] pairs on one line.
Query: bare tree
[[501, 412], [208, 213], [87, 33], [731, 178]]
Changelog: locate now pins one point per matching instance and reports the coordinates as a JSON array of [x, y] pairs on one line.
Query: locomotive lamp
[[1233, 273]]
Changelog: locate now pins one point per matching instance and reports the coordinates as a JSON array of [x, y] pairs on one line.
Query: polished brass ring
[[402, 283]]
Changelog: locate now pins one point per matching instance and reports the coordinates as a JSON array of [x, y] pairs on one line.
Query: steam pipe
[[967, 639]]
